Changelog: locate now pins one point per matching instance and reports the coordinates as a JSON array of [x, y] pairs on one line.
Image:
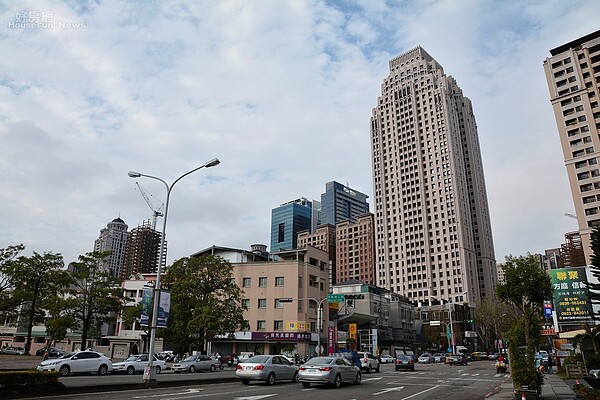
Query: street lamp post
[[150, 373], [319, 316]]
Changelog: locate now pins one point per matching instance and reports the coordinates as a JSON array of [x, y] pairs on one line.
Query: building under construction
[[142, 251]]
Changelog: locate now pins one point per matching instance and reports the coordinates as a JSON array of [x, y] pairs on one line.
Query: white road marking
[[394, 389], [189, 391], [372, 379], [258, 397], [421, 392]]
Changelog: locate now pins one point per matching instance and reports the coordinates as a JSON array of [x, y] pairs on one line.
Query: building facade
[[113, 238], [573, 77], [287, 221], [341, 203], [433, 232], [355, 250], [323, 238]]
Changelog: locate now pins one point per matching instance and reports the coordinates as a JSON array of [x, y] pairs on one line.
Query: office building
[[355, 250], [287, 221], [433, 233], [573, 77], [113, 238], [341, 203], [323, 239]]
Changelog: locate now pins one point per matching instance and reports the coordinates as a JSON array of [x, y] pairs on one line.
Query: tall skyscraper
[[573, 76], [432, 224], [287, 221], [113, 238], [341, 203]]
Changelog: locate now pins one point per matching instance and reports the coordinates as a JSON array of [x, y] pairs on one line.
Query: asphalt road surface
[[429, 381]]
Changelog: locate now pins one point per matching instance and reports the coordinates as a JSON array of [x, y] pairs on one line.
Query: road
[[429, 381]]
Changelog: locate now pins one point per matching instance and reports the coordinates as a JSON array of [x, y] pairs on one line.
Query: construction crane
[[156, 212]]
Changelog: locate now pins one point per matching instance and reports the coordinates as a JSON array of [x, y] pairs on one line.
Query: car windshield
[[404, 358], [131, 358], [190, 358], [68, 355], [257, 360], [320, 360]]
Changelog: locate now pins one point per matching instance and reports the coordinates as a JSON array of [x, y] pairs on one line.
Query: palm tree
[[592, 332]]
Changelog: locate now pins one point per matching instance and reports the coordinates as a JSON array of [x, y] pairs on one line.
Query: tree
[[33, 280], [526, 286], [60, 319], [493, 319], [7, 305], [95, 296], [594, 288], [205, 301]]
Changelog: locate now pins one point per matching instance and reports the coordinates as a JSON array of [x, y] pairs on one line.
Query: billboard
[[164, 309], [146, 306], [571, 301]]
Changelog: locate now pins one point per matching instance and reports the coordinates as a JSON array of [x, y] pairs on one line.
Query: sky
[[281, 91]]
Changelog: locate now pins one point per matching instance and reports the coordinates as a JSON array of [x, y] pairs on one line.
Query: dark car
[[230, 359], [405, 362], [458, 359], [52, 352]]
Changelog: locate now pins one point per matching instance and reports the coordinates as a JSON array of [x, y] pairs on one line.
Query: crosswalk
[[449, 374]]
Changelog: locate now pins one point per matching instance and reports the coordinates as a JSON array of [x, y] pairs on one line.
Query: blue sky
[[280, 91]]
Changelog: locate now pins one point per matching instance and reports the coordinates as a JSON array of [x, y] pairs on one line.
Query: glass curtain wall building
[[341, 203], [287, 221]]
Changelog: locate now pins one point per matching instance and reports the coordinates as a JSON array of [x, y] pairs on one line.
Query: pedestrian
[[46, 355], [550, 364]]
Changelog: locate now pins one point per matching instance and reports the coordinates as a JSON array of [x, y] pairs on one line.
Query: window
[[246, 282], [262, 303], [279, 281], [277, 325], [281, 232], [278, 304], [262, 281], [246, 304], [261, 325]]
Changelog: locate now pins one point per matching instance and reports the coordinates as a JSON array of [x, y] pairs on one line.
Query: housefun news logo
[[41, 19]]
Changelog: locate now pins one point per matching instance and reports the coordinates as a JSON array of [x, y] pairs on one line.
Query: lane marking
[[421, 392], [384, 391]]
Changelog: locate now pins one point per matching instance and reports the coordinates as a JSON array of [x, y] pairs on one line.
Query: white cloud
[[280, 91]]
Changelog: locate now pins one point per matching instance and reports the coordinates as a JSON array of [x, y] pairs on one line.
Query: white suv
[[368, 362], [78, 362]]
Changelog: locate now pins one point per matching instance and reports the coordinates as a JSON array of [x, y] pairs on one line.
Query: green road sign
[[336, 298]]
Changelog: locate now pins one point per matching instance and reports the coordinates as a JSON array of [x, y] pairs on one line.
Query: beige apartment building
[[432, 223], [573, 77], [324, 239], [299, 277], [355, 250]]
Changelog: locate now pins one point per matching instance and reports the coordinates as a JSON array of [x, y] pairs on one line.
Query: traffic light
[[354, 296]]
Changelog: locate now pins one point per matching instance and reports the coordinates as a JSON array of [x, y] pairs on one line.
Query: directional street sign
[[336, 298]]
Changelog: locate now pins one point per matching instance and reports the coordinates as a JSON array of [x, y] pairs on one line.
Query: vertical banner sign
[[331, 340], [352, 334], [374, 341], [146, 306], [571, 299], [164, 308], [547, 308]]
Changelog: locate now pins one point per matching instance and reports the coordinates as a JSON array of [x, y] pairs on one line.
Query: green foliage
[[586, 393], [205, 301], [594, 288], [34, 279], [94, 295], [8, 305], [28, 379]]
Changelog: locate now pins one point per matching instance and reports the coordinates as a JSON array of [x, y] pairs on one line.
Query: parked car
[[425, 358], [196, 363], [267, 368], [404, 362], [439, 357], [136, 364], [493, 356], [386, 359], [14, 350], [329, 370], [368, 362], [78, 362], [230, 359], [481, 355], [52, 352]]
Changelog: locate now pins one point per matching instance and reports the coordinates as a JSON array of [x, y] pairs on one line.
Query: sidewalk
[[554, 388]]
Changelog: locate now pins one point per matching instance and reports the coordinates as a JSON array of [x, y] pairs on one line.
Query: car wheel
[[412, 369], [296, 377], [358, 378], [130, 370], [306, 384], [64, 370], [337, 382], [157, 370], [213, 368], [103, 369], [192, 369], [245, 381], [270, 379], [397, 369]]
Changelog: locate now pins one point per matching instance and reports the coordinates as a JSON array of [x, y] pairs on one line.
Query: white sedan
[[79, 362], [137, 364]]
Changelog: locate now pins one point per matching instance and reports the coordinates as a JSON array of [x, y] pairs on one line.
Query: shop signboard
[[571, 301]]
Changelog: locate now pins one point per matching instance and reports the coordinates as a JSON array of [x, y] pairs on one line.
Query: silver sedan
[[196, 363], [329, 370], [267, 368]]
